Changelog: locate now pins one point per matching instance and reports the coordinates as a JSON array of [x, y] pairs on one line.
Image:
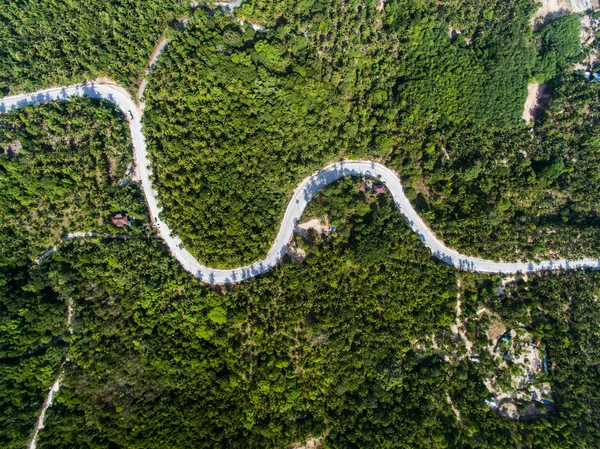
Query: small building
[[378, 188], [363, 186], [120, 220]]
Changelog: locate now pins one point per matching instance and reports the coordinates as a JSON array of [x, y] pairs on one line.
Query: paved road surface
[[302, 196]]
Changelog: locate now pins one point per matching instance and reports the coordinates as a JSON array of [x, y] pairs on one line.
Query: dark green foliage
[[60, 172], [326, 345], [323, 347], [237, 118], [25, 383], [313, 347]]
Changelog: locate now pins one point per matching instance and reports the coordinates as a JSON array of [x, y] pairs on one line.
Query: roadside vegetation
[[61, 170], [323, 347], [64, 167], [236, 118], [351, 339], [522, 194]]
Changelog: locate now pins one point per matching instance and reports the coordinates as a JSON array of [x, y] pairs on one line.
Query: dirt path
[[534, 92], [39, 424], [158, 49], [75, 235]]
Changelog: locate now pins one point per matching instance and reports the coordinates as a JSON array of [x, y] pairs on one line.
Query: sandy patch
[[228, 5], [133, 172], [453, 33], [549, 10], [304, 228], [296, 254], [520, 359], [495, 331], [509, 410], [534, 92], [581, 5]]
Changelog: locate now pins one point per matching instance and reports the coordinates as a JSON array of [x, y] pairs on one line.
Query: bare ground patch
[[549, 10], [303, 229]]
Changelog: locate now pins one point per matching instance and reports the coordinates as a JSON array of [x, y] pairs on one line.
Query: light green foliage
[[50, 42], [482, 18], [533, 195], [559, 47]]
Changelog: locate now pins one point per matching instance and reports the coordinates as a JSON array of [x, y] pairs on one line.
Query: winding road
[[305, 191]]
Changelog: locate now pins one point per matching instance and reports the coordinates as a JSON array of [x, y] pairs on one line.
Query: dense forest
[[350, 342], [521, 196], [47, 43], [64, 167], [323, 347], [25, 384], [61, 170], [236, 118]]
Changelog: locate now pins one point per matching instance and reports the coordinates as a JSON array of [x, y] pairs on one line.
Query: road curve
[[305, 191]]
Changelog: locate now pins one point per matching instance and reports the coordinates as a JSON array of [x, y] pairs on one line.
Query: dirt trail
[[550, 9], [534, 92], [158, 49], [39, 424]]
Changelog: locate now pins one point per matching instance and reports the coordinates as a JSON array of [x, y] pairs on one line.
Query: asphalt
[[305, 191]]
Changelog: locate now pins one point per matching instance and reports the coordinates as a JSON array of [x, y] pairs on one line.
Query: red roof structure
[[363, 186], [119, 220], [379, 188]]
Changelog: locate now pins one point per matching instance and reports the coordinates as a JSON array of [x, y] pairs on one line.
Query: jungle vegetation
[[48, 43], [335, 342], [322, 346], [61, 170], [64, 167], [236, 118]]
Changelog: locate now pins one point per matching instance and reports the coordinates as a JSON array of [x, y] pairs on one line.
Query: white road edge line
[[305, 191]]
